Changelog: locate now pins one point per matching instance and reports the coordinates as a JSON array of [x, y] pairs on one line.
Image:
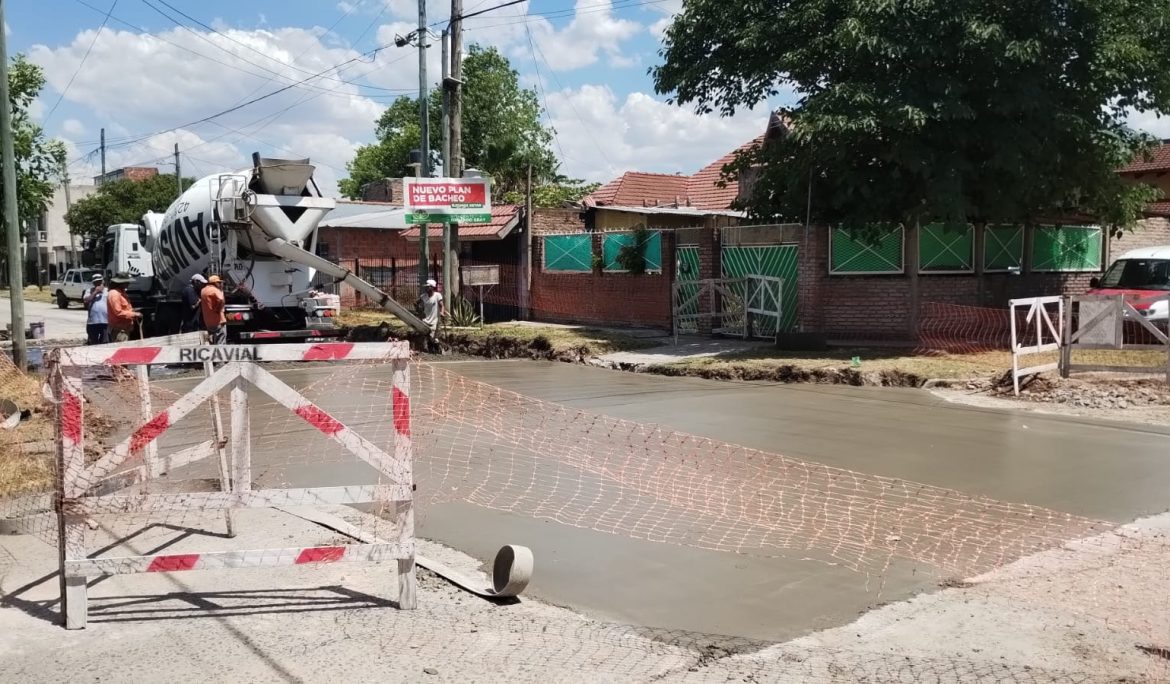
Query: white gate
[[748, 307], [1100, 322], [105, 484], [1038, 333]]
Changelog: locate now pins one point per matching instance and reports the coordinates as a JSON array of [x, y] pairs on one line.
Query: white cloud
[[603, 136], [73, 127], [669, 9], [1151, 123], [134, 83], [593, 31]]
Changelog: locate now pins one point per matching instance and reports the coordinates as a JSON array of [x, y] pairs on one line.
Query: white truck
[[72, 286], [256, 229]]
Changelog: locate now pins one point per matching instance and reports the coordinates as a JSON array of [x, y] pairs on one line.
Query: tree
[[951, 110], [502, 132], [123, 201], [38, 161], [558, 192]]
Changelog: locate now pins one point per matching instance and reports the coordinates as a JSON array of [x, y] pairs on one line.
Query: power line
[[485, 10], [540, 87], [572, 106], [244, 45], [82, 63], [557, 14]]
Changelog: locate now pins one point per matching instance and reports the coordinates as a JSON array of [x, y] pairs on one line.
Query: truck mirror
[[1094, 282]]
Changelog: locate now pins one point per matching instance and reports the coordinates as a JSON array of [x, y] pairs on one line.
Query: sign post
[[446, 201]]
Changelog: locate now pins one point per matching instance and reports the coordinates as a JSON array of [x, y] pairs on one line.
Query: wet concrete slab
[[1102, 470]]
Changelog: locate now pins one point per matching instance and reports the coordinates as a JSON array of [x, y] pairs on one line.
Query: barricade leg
[[241, 440], [404, 510], [74, 590], [225, 473]]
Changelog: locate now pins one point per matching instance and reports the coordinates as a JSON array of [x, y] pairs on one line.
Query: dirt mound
[[794, 374], [1094, 393]]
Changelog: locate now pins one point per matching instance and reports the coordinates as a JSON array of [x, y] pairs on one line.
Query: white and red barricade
[[99, 488]]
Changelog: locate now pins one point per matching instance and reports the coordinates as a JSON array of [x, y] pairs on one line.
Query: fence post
[[403, 455], [1066, 338]]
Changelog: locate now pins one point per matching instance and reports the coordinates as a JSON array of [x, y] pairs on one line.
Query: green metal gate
[[775, 261], [688, 270]]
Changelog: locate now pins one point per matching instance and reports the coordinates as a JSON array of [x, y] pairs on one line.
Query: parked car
[[1140, 274], [72, 286]]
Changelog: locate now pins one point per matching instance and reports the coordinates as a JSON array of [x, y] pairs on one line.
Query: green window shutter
[[852, 252], [572, 253], [1066, 248], [946, 248], [1003, 247], [612, 244]]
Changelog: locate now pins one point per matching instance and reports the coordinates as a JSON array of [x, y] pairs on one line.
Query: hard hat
[[431, 283], [214, 280], [198, 277], [97, 278]]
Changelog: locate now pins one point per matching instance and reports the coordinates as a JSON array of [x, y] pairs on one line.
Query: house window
[[612, 244], [872, 250], [571, 253], [946, 248], [1003, 248], [1067, 248]]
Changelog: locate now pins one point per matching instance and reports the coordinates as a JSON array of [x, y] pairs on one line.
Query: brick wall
[[603, 298], [557, 221], [878, 307]]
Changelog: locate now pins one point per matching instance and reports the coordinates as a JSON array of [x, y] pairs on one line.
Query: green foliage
[[951, 110], [463, 313], [123, 201], [559, 192], [38, 161], [632, 257], [502, 132]]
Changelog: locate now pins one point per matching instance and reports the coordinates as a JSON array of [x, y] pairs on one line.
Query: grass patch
[[763, 363], [33, 294], [509, 340], [24, 468]]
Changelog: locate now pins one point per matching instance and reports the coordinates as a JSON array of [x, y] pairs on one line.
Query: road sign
[[447, 200], [481, 275]]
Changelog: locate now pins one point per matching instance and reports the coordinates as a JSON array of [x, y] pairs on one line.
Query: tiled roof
[[641, 189], [1157, 209], [504, 218], [1158, 160]]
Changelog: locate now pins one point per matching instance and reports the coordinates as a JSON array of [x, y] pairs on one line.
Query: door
[[687, 270], [774, 261]]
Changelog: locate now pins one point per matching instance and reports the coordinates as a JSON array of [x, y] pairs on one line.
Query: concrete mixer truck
[[257, 229]]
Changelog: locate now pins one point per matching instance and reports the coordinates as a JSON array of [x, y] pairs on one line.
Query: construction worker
[[431, 305], [212, 304], [121, 314], [192, 305], [98, 319]]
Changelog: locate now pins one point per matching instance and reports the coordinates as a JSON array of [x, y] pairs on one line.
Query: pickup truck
[[72, 286]]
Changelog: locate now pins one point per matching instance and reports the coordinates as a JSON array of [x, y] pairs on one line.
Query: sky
[[151, 77]]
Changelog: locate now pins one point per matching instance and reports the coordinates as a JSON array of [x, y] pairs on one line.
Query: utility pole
[[524, 282], [445, 148], [74, 259], [178, 172], [103, 157], [455, 137], [11, 217], [424, 148], [448, 283], [456, 112]]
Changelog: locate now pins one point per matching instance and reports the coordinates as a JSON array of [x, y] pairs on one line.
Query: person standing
[[98, 316], [192, 313], [431, 303], [212, 304], [121, 314]]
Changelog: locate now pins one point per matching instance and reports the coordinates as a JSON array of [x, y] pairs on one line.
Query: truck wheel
[[62, 300]]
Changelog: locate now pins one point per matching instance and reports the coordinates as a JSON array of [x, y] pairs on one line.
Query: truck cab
[[1139, 274]]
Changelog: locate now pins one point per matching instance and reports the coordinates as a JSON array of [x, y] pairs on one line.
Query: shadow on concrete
[[182, 605], [46, 609]]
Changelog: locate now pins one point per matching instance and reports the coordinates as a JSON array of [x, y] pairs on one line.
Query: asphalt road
[[1103, 471], [60, 324]]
